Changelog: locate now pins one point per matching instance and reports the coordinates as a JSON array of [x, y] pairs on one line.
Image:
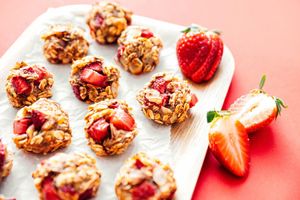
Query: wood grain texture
[[189, 140]]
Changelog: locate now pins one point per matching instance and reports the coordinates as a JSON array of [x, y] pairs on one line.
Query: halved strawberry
[[21, 125], [20, 85], [99, 130], [160, 84], [48, 190], [143, 191], [229, 143], [146, 33], [92, 77], [122, 120], [38, 119], [193, 101], [256, 109]]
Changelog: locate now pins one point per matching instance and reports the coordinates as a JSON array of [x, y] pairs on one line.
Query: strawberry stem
[[279, 104], [262, 82]]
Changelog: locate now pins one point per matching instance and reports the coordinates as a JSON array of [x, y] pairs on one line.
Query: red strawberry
[[76, 91], [120, 51], [48, 190], [122, 120], [2, 155], [138, 163], [193, 101], [21, 125], [146, 33], [160, 84], [38, 119], [229, 143], [96, 66], [39, 70], [99, 130], [98, 21], [199, 53], [144, 191], [21, 85], [92, 77], [256, 109]]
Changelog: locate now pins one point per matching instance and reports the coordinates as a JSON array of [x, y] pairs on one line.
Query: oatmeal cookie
[[6, 161], [138, 50], [64, 43], [67, 177], [92, 81], [107, 20], [110, 127], [145, 178], [42, 127], [166, 99], [26, 84]]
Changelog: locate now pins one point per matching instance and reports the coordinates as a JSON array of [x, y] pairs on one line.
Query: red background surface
[[264, 38]]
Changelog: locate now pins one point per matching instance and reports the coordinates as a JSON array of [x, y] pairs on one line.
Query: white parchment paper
[[152, 138]]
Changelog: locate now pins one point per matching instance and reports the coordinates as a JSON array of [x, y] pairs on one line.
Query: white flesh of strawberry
[[253, 108]]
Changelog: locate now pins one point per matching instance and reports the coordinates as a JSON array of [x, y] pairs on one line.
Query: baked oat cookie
[[110, 127], [92, 81], [138, 50], [67, 177], [6, 161], [145, 178], [166, 99], [64, 43], [42, 127], [107, 20], [26, 84]]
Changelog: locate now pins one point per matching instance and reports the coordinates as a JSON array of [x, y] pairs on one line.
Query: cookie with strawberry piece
[[199, 53], [42, 127], [107, 20], [26, 83], [64, 43], [166, 99], [138, 50], [93, 81], [110, 127], [229, 142], [257, 109], [143, 178], [67, 176], [6, 161]]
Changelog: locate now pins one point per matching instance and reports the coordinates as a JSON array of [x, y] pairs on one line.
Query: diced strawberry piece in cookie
[[86, 195], [193, 101], [120, 51], [160, 85], [165, 100], [2, 155], [143, 191], [68, 189], [114, 105], [92, 77], [96, 66], [146, 33], [76, 91], [38, 119], [122, 120], [21, 125], [48, 190], [139, 164], [21, 85], [98, 21], [99, 130]]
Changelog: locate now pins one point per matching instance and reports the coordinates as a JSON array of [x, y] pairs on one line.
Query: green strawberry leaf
[[211, 115], [262, 82], [279, 104], [188, 29]]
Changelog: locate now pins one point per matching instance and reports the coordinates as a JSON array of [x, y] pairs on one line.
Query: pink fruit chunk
[[96, 66], [98, 20], [146, 33], [139, 164], [193, 101], [99, 130], [143, 191], [2, 155], [76, 91], [48, 190], [92, 77], [160, 85], [87, 194], [20, 126], [38, 119], [122, 120], [20, 85]]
